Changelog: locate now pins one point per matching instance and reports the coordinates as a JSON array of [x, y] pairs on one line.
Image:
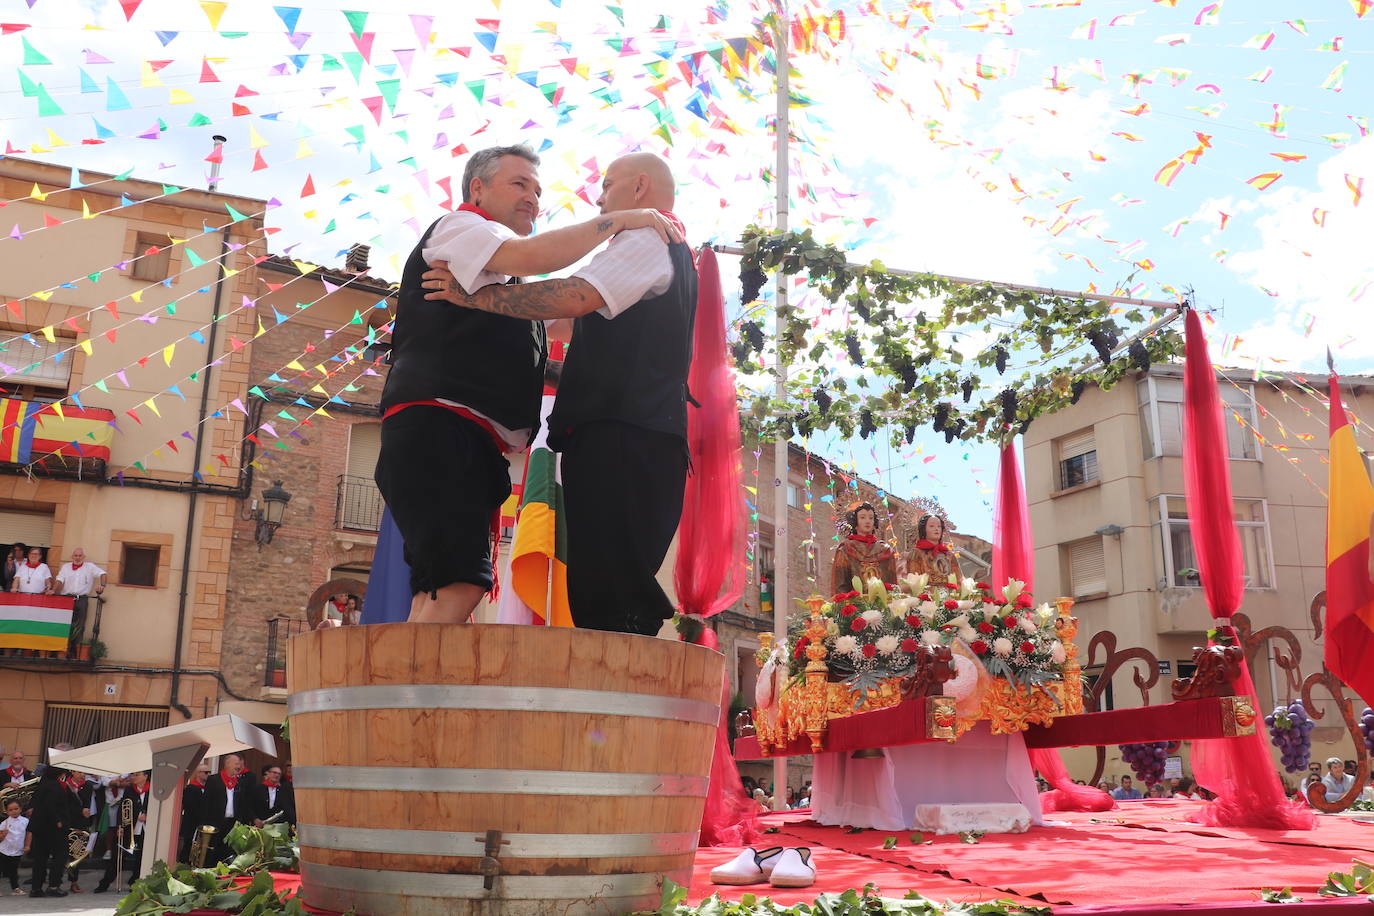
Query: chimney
[[356, 261], [216, 160]]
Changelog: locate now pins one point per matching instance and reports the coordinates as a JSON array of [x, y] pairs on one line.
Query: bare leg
[[455, 604]]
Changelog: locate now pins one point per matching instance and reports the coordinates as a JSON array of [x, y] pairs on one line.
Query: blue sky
[[948, 149]]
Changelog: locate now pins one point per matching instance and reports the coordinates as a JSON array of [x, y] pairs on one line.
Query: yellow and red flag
[[1349, 591]]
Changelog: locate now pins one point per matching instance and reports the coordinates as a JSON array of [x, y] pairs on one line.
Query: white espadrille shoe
[[752, 866], [793, 869]]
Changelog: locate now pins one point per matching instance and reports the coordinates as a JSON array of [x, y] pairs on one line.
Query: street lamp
[[269, 517]]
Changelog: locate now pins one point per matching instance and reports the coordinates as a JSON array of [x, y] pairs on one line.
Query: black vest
[[633, 368], [490, 363]]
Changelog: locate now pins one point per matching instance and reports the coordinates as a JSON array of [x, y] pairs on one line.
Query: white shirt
[[1334, 789], [14, 827], [79, 581], [271, 796], [635, 265], [466, 241], [32, 581]]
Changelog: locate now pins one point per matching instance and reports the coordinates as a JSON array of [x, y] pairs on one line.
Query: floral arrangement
[[873, 632]]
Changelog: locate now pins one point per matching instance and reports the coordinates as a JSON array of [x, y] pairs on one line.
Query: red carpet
[[1142, 859]]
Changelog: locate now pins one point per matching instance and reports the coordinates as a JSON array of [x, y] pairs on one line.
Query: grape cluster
[[1367, 728], [1146, 760], [1290, 730]]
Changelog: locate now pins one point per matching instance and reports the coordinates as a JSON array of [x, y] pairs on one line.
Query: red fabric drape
[[1012, 558], [709, 574], [1239, 770], [1011, 537], [730, 818]]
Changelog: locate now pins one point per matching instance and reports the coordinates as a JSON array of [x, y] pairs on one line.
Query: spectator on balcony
[[32, 577], [13, 560], [353, 611], [79, 580], [274, 798]]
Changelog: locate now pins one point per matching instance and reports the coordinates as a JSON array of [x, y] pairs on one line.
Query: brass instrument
[[124, 832], [78, 846], [18, 792], [200, 845]]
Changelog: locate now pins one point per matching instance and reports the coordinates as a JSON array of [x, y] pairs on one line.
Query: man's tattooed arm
[[546, 299]]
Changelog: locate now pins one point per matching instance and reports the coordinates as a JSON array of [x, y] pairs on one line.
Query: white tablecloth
[[883, 792]]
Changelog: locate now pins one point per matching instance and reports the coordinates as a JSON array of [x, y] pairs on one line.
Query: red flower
[[848, 610], [890, 586], [800, 651], [1028, 647], [979, 647], [908, 645], [869, 650], [1024, 600], [951, 604], [852, 595], [1009, 621], [913, 621], [838, 598], [985, 627], [923, 596], [857, 624], [983, 585]]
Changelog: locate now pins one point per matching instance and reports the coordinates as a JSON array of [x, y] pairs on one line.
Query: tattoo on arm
[[605, 225], [562, 298]]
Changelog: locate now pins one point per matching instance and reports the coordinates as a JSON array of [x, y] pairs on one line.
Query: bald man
[[620, 418]]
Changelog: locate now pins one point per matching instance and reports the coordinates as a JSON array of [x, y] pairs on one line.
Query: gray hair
[[482, 164]]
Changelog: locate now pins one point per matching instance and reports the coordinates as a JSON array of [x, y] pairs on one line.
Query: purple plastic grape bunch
[[1147, 760], [1290, 730]]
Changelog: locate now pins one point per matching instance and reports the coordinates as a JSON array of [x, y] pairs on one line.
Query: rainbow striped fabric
[[41, 622]]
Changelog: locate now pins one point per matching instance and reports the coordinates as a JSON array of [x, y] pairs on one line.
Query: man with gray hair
[[465, 386]]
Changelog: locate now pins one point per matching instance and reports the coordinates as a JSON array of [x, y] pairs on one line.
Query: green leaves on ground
[[867, 902], [1359, 881], [184, 889]]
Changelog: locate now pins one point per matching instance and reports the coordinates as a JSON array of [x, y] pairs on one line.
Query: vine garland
[[887, 370]]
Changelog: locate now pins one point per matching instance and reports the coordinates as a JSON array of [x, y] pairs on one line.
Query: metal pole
[[782, 553]]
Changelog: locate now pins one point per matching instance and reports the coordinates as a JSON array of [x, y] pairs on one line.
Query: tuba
[[19, 792], [200, 845]]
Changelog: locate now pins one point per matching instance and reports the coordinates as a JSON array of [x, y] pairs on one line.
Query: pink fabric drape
[[709, 574], [1012, 558], [730, 818], [1239, 771]]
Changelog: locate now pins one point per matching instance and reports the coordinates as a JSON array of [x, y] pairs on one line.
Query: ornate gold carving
[[940, 717], [817, 673], [1237, 716], [1066, 626], [933, 666], [1218, 669], [1008, 708]]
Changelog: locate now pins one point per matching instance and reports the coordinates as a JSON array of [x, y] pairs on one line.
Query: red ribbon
[[924, 544]]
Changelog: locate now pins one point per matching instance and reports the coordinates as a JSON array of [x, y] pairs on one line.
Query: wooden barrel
[[588, 751]]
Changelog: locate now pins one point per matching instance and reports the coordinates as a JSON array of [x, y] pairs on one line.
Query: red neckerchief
[[230, 782], [197, 783], [473, 208], [16, 774], [144, 790], [76, 566], [864, 538], [32, 565], [924, 544], [676, 221]]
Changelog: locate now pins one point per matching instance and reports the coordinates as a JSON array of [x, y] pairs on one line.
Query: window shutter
[[1087, 567], [1080, 443], [364, 444], [31, 528], [37, 362]]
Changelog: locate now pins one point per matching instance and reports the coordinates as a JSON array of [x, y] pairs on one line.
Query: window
[[764, 556], [358, 503], [1160, 401], [796, 496], [1077, 459], [138, 565], [30, 359], [151, 267], [1087, 567], [1175, 540], [80, 725]]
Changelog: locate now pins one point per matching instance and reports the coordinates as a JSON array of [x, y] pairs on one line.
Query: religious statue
[[860, 552], [932, 555]]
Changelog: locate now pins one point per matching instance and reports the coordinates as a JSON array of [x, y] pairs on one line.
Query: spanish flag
[[28, 429], [1349, 591]]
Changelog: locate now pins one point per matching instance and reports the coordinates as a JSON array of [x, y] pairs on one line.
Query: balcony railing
[[279, 630], [359, 504]]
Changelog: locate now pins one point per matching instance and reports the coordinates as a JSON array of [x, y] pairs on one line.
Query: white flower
[[1013, 588], [831, 627], [886, 645], [1001, 645], [928, 609], [916, 582], [968, 605], [930, 637], [901, 606], [961, 621], [967, 586], [873, 617], [846, 645], [1057, 652], [968, 634], [1044, 612], [1026, 624]]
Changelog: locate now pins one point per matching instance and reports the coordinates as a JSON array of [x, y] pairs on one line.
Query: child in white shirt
[[14, 842]]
